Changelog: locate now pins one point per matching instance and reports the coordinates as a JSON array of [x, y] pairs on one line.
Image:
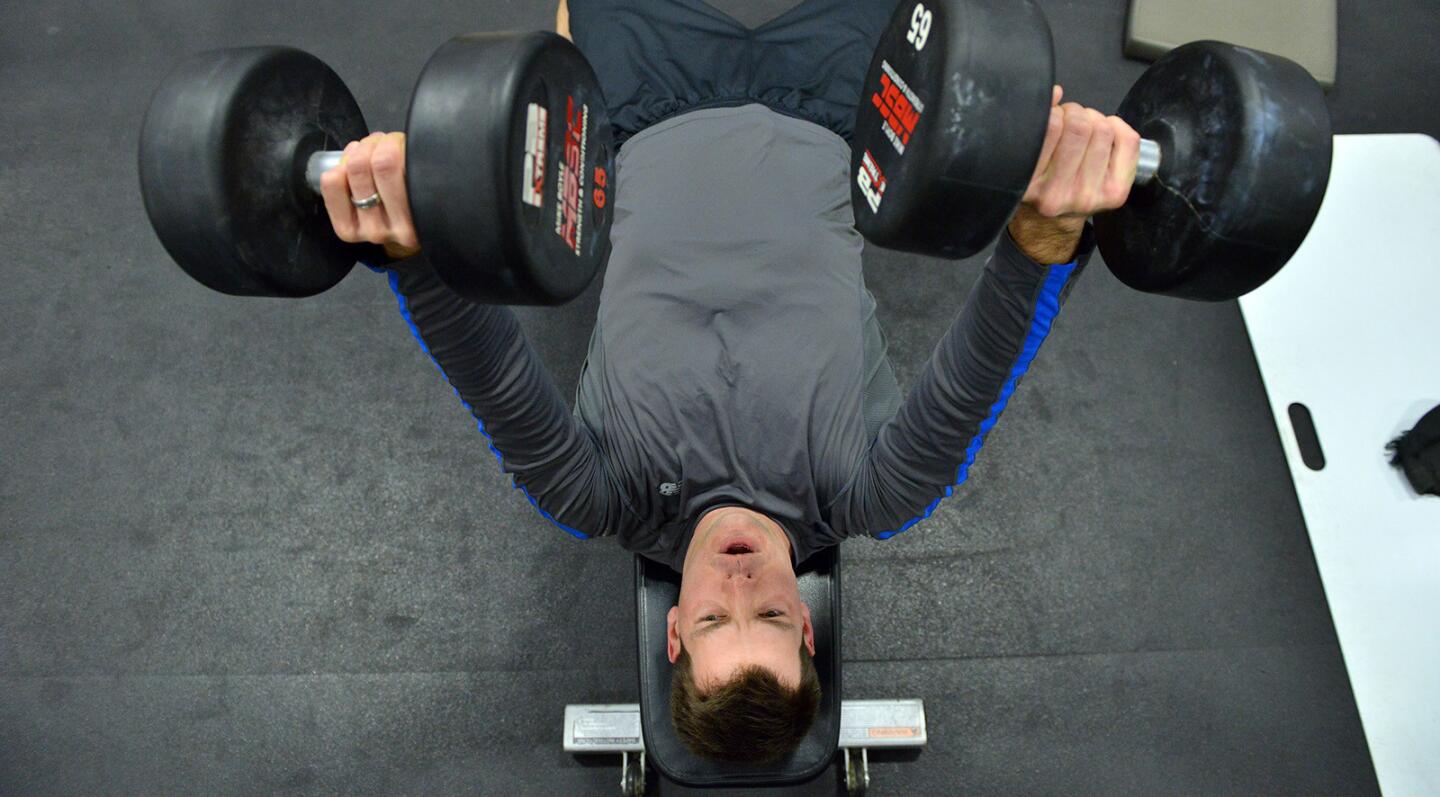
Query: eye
[[709, 618], [772, 613]]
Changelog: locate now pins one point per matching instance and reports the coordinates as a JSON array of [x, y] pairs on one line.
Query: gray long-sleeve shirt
[[736, 359]]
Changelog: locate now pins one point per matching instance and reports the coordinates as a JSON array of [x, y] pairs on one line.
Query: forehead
[[718, 663]]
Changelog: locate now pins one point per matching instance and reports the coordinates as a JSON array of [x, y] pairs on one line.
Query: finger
[[1057, 93], [387, 164], [1065, 162], [362, 184], [1053, 128], [1096, 165], [335, 190], [1123, 160]]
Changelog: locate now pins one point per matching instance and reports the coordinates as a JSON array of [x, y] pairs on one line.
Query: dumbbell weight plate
[[222, 153], [1247, 144], [950, 124], [509, 166]]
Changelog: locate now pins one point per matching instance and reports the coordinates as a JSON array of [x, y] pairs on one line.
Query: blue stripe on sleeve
[[1046, 309], [414, 330]]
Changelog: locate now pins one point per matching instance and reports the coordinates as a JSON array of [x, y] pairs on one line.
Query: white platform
[[1351, 329]]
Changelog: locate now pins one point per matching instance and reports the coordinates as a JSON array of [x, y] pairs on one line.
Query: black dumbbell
[[1234, 163], [508, 163]]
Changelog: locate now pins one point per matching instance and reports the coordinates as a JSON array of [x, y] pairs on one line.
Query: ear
[[807, 630], [672, 632]]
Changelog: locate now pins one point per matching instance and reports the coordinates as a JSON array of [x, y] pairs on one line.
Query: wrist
[[1047, 241]]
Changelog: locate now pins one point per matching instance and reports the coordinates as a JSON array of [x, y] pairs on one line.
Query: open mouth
[[736, 544]]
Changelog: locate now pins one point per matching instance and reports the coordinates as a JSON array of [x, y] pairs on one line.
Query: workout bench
[[642, 734]]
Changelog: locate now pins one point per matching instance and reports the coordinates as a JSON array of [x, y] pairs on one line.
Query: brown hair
[[752, 718]]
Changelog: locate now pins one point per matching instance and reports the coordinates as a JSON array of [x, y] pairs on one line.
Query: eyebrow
[[774, 621]]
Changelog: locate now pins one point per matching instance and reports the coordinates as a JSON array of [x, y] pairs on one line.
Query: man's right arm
[[500, 378], [480, 349]]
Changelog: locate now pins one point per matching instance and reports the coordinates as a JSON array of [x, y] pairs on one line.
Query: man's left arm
[[1087, 165]]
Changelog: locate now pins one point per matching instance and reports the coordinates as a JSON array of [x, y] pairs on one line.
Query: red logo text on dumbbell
[[600, 181], [871, 181], [568, 221], [898, 106]]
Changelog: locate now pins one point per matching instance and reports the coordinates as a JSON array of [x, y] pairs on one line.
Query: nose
[[737, 583]]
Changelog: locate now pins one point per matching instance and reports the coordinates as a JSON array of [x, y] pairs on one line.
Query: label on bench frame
[[615, 727], [612, 728], [882, 723]]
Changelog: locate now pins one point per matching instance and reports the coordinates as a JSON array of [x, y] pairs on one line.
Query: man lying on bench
[[737, 412]]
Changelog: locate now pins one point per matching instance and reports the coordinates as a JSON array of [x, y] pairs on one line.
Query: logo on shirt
[[670, 489]]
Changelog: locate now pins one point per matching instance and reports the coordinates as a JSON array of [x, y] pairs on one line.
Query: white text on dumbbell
[[920, 22]]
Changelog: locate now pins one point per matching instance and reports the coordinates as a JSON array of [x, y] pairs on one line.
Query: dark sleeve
[[922, 453], [481, 350]]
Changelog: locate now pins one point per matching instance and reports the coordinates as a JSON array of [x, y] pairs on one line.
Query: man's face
[[739, 602]]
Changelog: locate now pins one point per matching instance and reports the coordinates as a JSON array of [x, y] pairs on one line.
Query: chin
[[737, 529]]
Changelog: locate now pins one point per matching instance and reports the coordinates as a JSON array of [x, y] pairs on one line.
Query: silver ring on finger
[[366, 203]]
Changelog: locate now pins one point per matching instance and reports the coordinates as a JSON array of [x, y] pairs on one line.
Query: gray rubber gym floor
[[257, 546]]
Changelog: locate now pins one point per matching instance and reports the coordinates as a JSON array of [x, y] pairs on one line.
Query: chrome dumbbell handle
[[1149, 162], [324, 161]]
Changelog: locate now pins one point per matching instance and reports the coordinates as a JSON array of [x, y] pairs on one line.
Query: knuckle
[[357, 157], [385, 162], [371, 233], [1123, 131]]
